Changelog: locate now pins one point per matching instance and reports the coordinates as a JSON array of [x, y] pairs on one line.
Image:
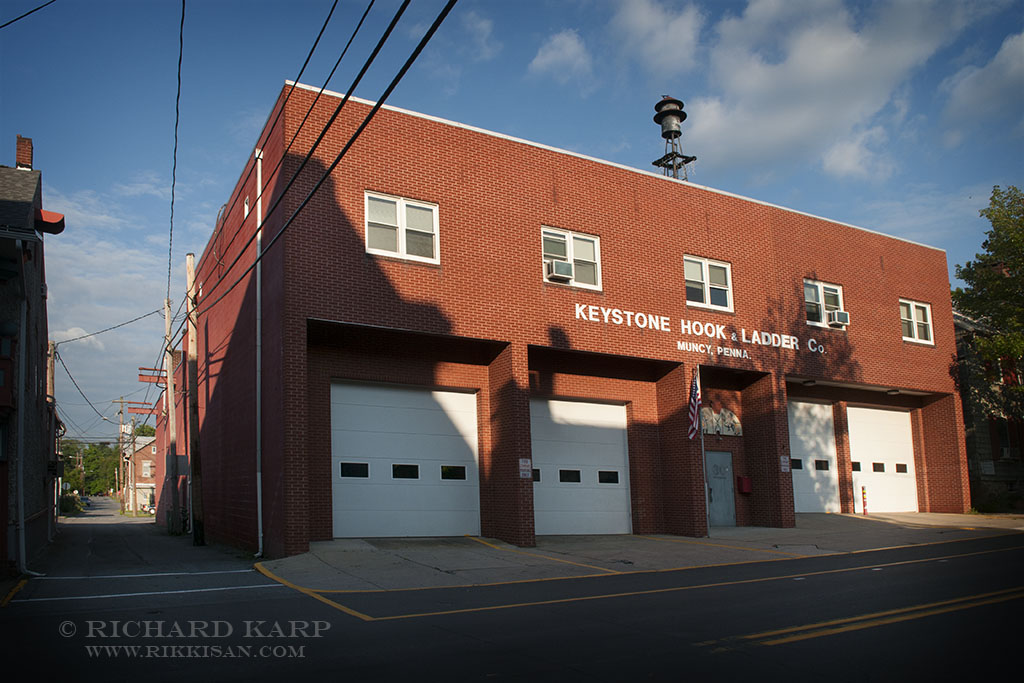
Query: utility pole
[[131, 474], [192, 374], [119, 473], [171, 469]]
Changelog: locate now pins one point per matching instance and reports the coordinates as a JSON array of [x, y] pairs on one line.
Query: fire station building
[[467, 333]]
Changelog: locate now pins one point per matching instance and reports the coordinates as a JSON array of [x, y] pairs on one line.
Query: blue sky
[[897, 116]]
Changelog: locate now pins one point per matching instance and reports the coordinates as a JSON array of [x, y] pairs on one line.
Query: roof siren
[[670, 116]]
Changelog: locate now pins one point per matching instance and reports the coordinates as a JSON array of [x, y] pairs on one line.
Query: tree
[[994, 298], [145, 430]]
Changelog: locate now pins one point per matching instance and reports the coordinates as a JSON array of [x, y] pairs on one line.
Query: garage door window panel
[[355, 469], [453, 472], [405, 471]]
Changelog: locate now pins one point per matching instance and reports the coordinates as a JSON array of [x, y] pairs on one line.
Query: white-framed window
[[582, 251], [821, 298], [708, 283], [916, 321], [401, 227], [153, 449], [147, 468]]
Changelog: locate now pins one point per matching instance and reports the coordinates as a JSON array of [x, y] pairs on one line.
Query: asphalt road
[[122, 601]]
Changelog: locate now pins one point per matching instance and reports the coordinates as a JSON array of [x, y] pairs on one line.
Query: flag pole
[[703, 464]]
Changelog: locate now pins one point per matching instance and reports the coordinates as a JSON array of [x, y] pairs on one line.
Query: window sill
[[708, 307], [571, 285], [918, 342], [402, 259]]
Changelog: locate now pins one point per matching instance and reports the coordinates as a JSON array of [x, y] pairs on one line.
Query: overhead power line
[[269, 129], [394, 83], [72, 378], [113, 327], [27, 13], [174, 163]]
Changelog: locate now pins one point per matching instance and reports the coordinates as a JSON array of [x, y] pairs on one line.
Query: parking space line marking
[[722, 545], [674, 589], [140, 576], [311, 593], [13, 592], [544, 557], [135, 595]]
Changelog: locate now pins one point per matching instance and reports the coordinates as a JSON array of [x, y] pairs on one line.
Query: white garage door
[[812, 451], [581, 476], [882, 455], [404, 462]]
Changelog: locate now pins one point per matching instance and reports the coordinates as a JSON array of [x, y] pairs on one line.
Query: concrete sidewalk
[[411, 563]]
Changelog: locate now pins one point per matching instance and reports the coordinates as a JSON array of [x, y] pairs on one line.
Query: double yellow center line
[[892, 616]]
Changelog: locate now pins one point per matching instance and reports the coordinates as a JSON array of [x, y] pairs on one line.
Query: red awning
[[50, 221]]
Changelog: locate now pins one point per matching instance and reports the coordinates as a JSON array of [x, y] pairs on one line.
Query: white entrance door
[[882, 456], [403, 461], [721, 497], [813, 462], [581, 475]]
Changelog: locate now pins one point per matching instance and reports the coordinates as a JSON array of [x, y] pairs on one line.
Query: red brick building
[[462, 332]]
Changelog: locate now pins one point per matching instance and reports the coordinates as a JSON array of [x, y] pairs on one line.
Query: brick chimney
[[24, 154]]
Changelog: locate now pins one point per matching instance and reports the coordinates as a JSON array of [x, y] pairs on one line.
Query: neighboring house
[[467, 333], [995, 444], [140, 482], [28, 418]]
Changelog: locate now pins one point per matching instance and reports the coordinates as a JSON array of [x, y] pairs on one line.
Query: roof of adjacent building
[[19, 190]]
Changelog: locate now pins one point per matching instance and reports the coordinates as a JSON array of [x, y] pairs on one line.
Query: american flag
[[695, 404]]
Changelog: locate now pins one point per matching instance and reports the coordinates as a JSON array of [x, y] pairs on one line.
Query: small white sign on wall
[[525, 468], [784, 463]]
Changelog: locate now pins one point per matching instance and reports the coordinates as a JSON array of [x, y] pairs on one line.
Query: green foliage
[[70, 504], [99, 462], [145, 430], [994, 297]]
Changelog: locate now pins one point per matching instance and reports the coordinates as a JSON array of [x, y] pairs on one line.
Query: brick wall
[[493, 196]]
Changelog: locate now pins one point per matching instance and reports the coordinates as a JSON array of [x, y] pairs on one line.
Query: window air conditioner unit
[[838, 318], [558, 271]]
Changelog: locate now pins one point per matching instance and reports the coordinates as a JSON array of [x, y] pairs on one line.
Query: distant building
[[140, 483], [995, 444], [466, 333], [28, 418]]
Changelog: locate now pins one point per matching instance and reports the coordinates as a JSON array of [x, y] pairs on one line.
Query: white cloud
[[857, 156], [148, 183], [480, 30], [564, 57], [75, 333], [993, 91], [932, 215], [795, 77], [85, 207], [662, 40]]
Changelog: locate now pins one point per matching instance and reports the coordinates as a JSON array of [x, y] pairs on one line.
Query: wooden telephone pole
[[192, 375], [171, 460]]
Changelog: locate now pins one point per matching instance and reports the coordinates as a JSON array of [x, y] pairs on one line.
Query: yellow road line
[[920, 612], [13, 592], [722, 545], [311, 593], [544, 557], [675, 589]]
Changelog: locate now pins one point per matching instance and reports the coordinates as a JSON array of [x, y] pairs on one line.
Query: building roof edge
[[605, 162]]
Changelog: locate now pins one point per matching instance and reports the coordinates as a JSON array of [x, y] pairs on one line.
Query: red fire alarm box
[[743, 485]]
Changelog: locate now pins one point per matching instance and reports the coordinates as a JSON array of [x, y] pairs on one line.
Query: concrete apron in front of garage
[[409, 563]]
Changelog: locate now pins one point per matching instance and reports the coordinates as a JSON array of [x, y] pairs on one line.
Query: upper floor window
[[824, 304], [708, 283], [572, 258], [401, 227], [916, 320]]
